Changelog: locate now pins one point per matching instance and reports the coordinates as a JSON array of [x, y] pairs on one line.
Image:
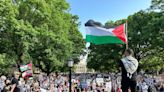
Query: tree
[[6, 65], [76, 37], [157, 5], [40, 30], [16, 35], [153, 62], [146, 40], [104, 58]]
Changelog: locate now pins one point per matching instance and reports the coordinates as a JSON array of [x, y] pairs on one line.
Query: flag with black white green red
[[27, 73], [97, 34], [26, 67]]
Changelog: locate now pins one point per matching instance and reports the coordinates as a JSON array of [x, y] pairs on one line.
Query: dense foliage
[[38, 30]]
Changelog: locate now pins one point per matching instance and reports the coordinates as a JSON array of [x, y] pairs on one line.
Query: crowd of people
[[126, 81], [80, 83]]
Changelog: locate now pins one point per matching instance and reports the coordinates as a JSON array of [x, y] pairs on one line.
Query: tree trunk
[[19, 61], [48, 68]]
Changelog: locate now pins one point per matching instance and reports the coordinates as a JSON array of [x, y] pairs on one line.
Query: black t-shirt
[[124, 72], [15, 81]]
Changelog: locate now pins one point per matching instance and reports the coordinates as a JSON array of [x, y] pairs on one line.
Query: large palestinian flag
[[97, 34]]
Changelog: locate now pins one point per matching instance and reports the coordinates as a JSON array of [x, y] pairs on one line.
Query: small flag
[[26, 67], [27, 73]]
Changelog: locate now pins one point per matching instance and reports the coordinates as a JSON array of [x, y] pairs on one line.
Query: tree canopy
[[157, 5], [39, 30]]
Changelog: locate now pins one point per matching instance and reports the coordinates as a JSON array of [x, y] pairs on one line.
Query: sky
[[105, 10]]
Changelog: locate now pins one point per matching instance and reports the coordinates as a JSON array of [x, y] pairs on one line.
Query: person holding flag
[[129, 66], [97, 34]]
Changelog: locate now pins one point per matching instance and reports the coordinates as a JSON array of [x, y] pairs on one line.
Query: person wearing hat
[[129, 66], [15, 82]]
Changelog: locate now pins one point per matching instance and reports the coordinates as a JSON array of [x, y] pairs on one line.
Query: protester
[[7, 86], [22, 85], [36, 87], [144, 87], [15, 82], [161, 87], [129, 67], [139, 86], [108, 86], [2, 82]]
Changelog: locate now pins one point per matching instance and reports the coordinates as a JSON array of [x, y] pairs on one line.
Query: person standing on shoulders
[[129, 66]]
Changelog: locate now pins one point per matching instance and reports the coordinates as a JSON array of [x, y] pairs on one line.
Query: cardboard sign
[[99, 81]]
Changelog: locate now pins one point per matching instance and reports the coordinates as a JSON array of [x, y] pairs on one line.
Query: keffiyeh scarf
[[130, 64]]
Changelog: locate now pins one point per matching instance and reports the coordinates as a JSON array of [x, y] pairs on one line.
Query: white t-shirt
[[43, 90], [144, 87], [108, 86], [55, 89]]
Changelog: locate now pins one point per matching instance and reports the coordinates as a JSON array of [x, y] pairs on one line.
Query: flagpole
[[126, 28]]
